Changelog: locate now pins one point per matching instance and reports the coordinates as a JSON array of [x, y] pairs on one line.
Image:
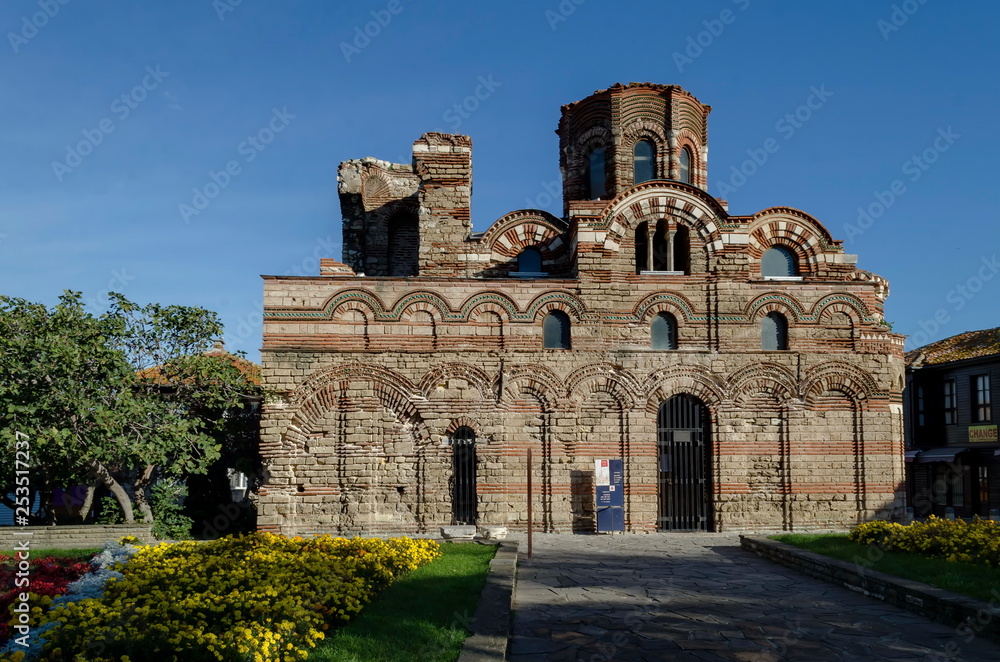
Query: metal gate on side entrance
[[463, 478], [683, 435]]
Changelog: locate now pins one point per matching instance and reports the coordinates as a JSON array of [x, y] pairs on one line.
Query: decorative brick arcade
[[431, 339]]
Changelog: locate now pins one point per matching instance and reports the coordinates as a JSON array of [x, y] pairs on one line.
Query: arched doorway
[[464, 506], [685, 465]]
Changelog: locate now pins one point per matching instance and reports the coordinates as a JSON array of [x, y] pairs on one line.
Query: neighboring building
[[739, 365], [951, 425], [235, 475]]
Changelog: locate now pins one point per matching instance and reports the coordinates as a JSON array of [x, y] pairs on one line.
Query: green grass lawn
[[423, 616], [977, 581], [81, 554]]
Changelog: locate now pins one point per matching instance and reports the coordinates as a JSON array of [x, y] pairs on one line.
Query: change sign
[[983, 434]]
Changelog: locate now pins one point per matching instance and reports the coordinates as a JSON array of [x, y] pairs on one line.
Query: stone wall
[[376, 374], [72, 536]]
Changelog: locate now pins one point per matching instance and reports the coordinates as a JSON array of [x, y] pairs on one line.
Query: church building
[[739, 365]]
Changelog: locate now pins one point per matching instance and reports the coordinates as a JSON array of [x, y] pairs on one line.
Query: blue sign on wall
[[610, 495]]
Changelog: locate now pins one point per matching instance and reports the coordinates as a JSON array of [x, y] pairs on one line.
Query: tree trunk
[[47, 505], [103, 475], [88, 502], [139, 489]]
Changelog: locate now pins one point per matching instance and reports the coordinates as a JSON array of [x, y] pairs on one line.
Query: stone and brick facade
[[429, 333]]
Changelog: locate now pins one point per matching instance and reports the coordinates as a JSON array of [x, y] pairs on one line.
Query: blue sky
[[114, 114]]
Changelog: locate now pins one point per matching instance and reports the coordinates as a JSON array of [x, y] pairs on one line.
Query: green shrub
[[167, 503], [111, 511]]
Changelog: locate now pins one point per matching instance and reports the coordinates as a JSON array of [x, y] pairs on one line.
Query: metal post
[[529, 503]]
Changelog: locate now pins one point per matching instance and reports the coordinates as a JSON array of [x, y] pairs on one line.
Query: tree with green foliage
[[120, 400]]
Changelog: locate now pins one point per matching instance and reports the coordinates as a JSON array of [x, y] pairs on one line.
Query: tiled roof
[[968, 345], [250, 369]]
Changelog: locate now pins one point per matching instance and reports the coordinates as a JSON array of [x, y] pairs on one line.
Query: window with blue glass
[[778, 262], [643, 162], [530, 260], [663, 332], [686, 165], [556, 330], [774, 332], [594, 175]]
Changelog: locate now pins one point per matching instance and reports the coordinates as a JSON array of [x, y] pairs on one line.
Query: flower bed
[[260, 597], [977, 541], [49, 577]]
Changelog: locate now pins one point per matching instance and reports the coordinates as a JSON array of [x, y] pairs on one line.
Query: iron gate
[[684, 465], [463, 477]]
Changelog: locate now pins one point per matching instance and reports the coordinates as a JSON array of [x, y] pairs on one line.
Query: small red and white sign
[[602, 472]]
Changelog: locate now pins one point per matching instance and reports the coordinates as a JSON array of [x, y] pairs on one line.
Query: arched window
[[686, 165], [682, 249], [642, 162], [642, 248], [777, 262], [663, 332], [530, 260], [464, 500], [661, 247], [404, 244], [555, 331], [774, 332], [666, 250], [594, 174]]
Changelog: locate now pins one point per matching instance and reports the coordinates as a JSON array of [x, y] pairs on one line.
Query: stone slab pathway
[[700, 597]]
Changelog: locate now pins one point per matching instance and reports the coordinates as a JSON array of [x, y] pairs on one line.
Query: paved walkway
[[700, 597]]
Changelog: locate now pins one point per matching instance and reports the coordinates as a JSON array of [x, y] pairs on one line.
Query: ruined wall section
[[444, 164], [374, 194]]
